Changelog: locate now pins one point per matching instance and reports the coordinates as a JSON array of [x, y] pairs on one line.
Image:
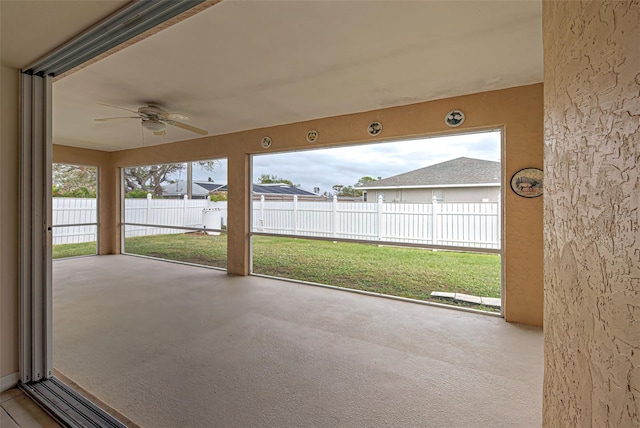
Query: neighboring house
[[282, 191], [202, 189], [458, 180], [210, 186], [178, 189], [269, 191]]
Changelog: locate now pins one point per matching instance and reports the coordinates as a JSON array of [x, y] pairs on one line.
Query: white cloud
[[345, 165]]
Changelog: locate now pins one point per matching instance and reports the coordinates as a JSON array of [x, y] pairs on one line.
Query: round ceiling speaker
[[266, 142], [374, 128], [454, 118]]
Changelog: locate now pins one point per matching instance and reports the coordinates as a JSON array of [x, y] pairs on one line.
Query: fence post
[[334, 223], [261, 213], [295, 214], [380, 219], [148, 215], [184, 210], [434, 220], [499, 227]]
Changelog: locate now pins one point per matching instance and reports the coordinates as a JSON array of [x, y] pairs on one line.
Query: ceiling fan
[[155, 119]]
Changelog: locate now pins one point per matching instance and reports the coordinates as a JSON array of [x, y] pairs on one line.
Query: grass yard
[[74, 250], [195, 248], [405, 272]]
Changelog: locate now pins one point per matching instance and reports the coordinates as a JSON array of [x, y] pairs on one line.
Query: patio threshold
[[67, 406]]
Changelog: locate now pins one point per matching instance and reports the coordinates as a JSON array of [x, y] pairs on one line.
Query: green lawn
[[189, 247], [405, 272], [74, 250]]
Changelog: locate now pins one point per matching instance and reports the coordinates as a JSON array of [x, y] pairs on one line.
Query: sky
[[324, 168]]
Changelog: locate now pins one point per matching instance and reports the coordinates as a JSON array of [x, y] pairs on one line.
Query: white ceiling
[[248, 64], [30, 29]]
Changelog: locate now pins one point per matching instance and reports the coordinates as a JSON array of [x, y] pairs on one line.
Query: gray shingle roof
[[462, 171], [280, 189], [209, 185]]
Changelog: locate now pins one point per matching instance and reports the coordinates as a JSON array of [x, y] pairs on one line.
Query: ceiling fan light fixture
[[153, 125]]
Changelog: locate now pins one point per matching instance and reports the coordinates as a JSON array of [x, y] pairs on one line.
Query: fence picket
[[457, 224]]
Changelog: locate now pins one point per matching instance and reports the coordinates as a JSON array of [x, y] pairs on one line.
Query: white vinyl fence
[[450, 224], [74, 211], [171, 212]]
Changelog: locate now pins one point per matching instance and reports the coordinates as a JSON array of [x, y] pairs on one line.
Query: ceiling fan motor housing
[[151, 111]]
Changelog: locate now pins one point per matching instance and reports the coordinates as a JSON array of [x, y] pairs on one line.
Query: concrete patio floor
[[170, 345]]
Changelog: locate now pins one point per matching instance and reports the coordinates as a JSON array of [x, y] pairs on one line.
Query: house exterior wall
[[592, 208], [472, 194], [445, 194]]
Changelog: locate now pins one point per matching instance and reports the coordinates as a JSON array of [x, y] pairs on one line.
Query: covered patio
[[172, 345], [167, 344]]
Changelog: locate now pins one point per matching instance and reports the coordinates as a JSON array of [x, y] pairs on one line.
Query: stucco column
[[109, 209], [238, 206], [591, 214]]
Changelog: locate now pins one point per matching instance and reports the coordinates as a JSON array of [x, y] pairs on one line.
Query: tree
[[349, 191], [352, 191], [74, 181], [151, 178], [364, 180], [80, 181], [274, 179]]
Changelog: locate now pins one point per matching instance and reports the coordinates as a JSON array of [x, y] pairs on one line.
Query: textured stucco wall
[[591, 214]]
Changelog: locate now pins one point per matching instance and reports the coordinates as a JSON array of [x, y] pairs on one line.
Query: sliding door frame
[[35, 216]]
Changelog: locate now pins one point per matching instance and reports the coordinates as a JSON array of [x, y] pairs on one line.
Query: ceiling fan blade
[[106, 119], [163, 132], [187, 127], [172, 116], [121, 108]]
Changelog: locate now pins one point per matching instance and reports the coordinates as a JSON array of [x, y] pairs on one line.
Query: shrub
[[218, 196], [137, 193]]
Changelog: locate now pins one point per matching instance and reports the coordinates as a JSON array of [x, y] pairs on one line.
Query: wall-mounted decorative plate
[[528, 182], [454, 118], [375, 128], [266, 142], [312, 135]]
